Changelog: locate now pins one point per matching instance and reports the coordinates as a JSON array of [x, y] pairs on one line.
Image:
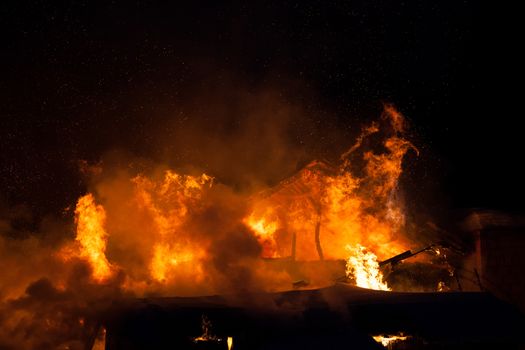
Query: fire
[[261, 227], [208, 336], [165, 260], [168, 233], [206, 327], [169, 202], [364, 268], [348, 212], [332, 207], [388, 340], [90, 219], [264, 228]]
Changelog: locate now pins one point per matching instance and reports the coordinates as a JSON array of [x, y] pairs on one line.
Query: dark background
[[79, 79]]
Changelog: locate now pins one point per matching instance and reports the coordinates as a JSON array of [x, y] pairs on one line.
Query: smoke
[[246, 135]]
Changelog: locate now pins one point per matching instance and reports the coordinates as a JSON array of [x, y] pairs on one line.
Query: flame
[[165, 260], [170, 233], [364, 268], [207, 334], [349, 212], [90, 220], [396, 118], [264, 228], [169, 202], [388, 340], [332, 207], [442, 287]]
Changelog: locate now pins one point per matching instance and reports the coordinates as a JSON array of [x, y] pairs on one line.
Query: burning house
[[232, 175], [163, 259]]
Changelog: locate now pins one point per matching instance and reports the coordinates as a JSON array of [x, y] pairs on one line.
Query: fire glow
[[327, 211]]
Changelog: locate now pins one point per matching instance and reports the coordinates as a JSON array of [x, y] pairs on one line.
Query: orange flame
[[169, 202], [329, 207], [349, 212], [90, 219]]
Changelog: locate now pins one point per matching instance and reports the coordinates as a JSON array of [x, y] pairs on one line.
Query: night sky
[[79, 80]]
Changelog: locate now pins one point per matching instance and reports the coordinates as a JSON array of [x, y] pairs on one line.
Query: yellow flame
[[229, 341], [261, 227], [264, 228], [207, 334], [90, 220], [442, 287], [387, 340], [364, 268]]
